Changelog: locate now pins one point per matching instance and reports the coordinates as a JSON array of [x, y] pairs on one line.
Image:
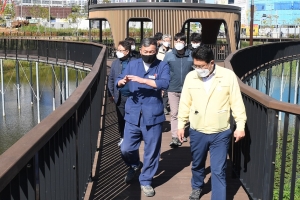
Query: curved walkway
[[172, 180]]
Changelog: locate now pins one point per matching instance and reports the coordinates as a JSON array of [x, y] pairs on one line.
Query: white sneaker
[[120, 142]]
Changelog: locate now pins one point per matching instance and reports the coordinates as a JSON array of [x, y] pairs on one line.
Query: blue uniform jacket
[[115, 71], [145, 100]]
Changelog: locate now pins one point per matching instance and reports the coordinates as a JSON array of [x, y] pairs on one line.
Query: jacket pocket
[[195, 118], [223, 118], [157, 109]]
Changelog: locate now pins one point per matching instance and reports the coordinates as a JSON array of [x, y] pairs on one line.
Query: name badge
[[151, 76]]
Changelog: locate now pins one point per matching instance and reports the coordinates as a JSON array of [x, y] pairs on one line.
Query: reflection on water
[[289, 93], [18, 122]]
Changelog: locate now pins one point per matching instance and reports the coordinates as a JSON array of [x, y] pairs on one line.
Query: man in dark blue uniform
[[144, 113]]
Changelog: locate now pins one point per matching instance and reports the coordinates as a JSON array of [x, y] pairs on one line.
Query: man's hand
[[238, 135], [136, 79], [180, 134], [123, 81], [111, 99]]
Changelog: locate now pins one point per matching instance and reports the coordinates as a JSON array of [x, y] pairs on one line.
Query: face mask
[[132, 47], [202, 72], [149, 58], [166, 44], [179, 46], [195, 45], [119, 54]]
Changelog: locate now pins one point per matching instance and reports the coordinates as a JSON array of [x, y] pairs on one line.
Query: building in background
[[55, 3], [23, 11], [271, 18], [276, 12]]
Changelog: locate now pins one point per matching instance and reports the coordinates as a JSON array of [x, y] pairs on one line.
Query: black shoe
[[195, 195], [175, 142], [132, 172]]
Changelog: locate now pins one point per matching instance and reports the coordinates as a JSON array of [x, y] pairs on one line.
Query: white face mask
[[166, 44], [120, 54], [195, 45], [179, 46], [202, 72], [132, 47]]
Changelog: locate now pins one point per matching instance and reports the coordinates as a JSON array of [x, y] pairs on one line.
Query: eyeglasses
[[121, 50], [178, 41], [199, 66]]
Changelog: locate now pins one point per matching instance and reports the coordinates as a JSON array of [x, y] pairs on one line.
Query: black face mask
[[149, 58]]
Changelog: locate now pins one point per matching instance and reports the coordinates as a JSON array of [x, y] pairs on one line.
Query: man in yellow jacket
[[208, 94]]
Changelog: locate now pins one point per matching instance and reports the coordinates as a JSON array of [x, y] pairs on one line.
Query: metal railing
[[221, 51], [66, 52], [110, 46], [264, 148], [54, 159]]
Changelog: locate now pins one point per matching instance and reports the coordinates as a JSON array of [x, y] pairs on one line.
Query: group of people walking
[[201, 96]]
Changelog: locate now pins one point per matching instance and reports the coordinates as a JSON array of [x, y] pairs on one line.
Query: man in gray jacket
[[180, 62]]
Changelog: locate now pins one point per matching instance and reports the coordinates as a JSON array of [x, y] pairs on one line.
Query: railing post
[[37, 91], [18, 84], [38, 50], [5, 47], [17, 49], [60, 84], [27, 49], [2, 88], [31, 81], [75, 124], [53, 86], [47, 51], [290, 82], [269, 154], [56, 56]]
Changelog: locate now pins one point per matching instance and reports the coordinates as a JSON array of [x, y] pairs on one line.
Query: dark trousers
[[165, 99], [121, 113], [217, 144]]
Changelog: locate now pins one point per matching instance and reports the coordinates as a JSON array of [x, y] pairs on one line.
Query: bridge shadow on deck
[[172, 180]]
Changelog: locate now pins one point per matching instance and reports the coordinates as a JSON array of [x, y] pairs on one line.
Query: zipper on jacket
[[181, 74]]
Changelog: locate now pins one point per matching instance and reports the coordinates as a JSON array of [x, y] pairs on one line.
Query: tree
[[9, 11], [297, 22], [39, 13], [75, 17]]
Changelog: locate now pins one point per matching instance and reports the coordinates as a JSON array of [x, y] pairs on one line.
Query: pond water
[[18, 122]]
